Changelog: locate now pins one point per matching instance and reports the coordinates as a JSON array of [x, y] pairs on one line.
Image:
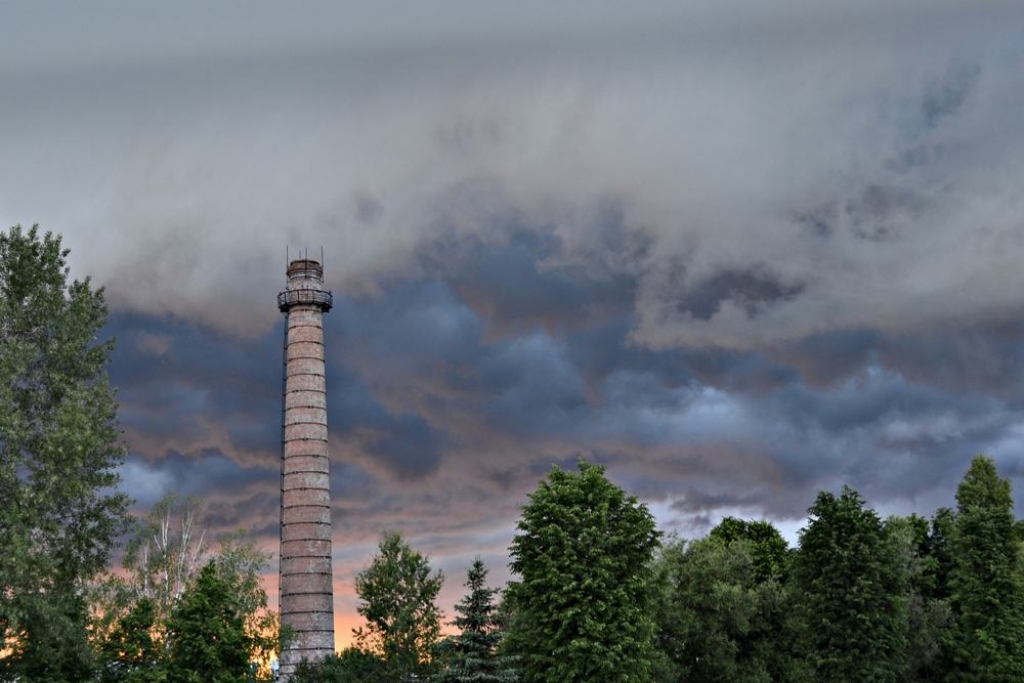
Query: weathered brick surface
[[305, 365], [303, 480], [309, 602], [308, 514], [306, 530], [306, 585], [311, 333], [308, 565], [305, 383], [306, 548], [295, 400], [300, 447], [298, 431], [307, 621], [292, 497], [299, 462]]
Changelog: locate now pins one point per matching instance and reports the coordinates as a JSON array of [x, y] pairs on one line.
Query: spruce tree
[[472, 656]]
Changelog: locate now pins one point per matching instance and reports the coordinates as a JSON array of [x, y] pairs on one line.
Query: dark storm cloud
[[987, 360], [524, 275], [196, 387], [826, 357], [753, 289], [408, 446], [516, 290], [821, 408], [206, 474]]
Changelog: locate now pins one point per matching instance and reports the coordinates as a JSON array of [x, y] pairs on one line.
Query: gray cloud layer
[[789, 172], [737, 252]]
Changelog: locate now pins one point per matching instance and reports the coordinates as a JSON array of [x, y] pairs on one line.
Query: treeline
[[600, 596]]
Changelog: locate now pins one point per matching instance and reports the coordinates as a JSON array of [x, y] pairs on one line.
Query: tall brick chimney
[[307, 580]]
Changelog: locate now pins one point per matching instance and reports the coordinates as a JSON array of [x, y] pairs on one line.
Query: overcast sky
[[738, 252]]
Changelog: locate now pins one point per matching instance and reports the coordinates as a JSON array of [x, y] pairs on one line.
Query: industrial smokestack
[[307, 580]]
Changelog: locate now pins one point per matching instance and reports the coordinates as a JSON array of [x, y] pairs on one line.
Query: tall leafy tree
[[166, 551], [928, 612], [163, 555], [768, 548], [161, 567], [59, 451], [472, 656], [398, 593], [581, 606], [851, 591], [717, 621], [208, 641], [939, 554], [128, 653], [986, 592]]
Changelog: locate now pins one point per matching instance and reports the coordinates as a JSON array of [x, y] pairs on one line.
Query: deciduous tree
[[208, 641], [162, 566], [851, 593], [583, 553], [403, 624], [768, 548], [986, 592], [59, 452], [717, 621]]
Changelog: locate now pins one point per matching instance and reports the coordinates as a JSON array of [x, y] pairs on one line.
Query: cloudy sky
[[738, 252]]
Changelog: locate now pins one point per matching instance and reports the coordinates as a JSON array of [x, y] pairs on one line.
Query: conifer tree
[[472, 656]]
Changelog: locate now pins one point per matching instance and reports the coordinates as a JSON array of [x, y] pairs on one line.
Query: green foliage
[[206, 633], [852, 595], [59, 452], [402, 622], [985, 581], [52, 645], [768, 548], [717, 620], [581, 608], [129, 654], [472, 656], [353, 665], [138, 611], [928, 612], [939, 554]]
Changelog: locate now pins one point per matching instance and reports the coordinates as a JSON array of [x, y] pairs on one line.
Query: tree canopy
[[60, 448], [398, 593], [986, 581], [852, 597], [177, 592], [582, 554]]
